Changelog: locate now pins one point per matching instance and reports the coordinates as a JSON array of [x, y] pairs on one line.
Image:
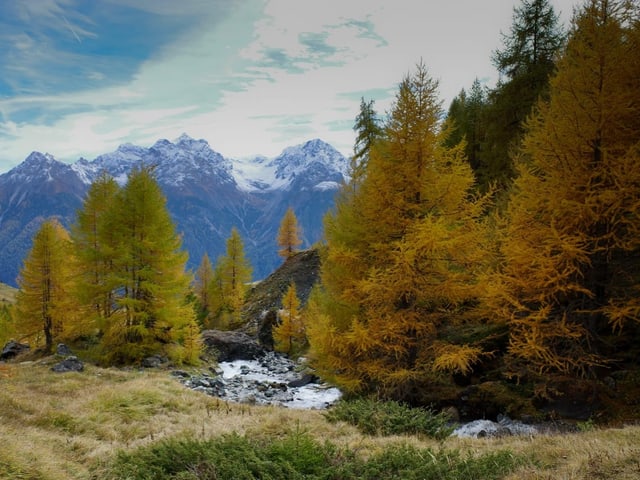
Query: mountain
[[207, 194]]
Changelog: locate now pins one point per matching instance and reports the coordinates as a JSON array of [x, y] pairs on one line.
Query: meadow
[[131, 423]]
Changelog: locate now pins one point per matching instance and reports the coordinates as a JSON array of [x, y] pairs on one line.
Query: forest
[[494, 243]]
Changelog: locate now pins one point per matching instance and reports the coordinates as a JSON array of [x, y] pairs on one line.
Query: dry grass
[[7, 293], [62, 426]]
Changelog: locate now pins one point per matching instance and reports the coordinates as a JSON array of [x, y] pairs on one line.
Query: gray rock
[[154, 361], [12, 349], [232, 346], [63, 350], [69, 364], [305, 379]]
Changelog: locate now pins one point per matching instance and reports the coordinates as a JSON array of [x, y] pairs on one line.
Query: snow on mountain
[[314, 160], [207, 195]]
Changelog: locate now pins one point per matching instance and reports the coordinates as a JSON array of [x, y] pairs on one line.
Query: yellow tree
[[402, 258], [45, 310], [151, 312], [229, 283], [289, 334], [572, 238], [202, 285], [289, 234], [95, 250]]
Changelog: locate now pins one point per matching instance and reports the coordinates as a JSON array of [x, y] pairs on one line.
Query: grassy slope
[[64, 426], [7, 293]]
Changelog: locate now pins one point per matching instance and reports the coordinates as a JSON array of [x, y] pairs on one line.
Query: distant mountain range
[[207, 194]]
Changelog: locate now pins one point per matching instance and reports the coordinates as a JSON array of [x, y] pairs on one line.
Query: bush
[[296, 457], [390, 418]]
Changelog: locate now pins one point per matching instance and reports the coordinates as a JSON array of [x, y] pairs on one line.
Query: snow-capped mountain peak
[[313, 161]]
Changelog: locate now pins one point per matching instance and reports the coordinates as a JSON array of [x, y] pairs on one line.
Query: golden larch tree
[[289, 234], [289, 334], [45, 309], [403, 253], [572, 236]]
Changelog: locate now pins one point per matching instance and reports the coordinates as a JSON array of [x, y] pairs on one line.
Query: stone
[[305, 379], [154, 361], [69, 364], [63, 350], [232, 345], [13, 349]]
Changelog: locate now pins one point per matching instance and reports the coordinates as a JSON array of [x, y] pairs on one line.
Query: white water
[[311, 396]]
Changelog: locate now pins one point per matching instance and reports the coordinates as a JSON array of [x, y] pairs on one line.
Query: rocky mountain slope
[[207, 194]]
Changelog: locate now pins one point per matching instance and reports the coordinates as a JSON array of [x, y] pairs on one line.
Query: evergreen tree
[[289, 234], [44, 306], [149, 269], [368, 130], [527, 61], [95, 250], [571, 245], [289, 334], [406, 263], [466, 117]]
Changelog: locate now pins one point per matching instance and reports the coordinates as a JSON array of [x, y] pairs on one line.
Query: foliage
[[228, 286], [289, 234], [403, 253], [493, 125], [289, 334], [572, 230], [7, 325], [202, 285], [368, 131], [96, 251], [298, 456], [45, 310], [390, 418]]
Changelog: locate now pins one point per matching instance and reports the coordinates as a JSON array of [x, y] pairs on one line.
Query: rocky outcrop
[[13, 349], [232, 345], [265, 298]]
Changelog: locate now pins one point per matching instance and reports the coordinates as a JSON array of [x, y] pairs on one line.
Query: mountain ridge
[[207, 194]]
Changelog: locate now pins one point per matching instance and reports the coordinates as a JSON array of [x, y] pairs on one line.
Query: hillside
[[7, 293]]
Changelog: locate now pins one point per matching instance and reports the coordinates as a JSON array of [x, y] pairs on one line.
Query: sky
[[78, 78]]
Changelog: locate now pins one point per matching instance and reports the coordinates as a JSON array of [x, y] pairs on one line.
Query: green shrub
[[296, 457], [390, 418]]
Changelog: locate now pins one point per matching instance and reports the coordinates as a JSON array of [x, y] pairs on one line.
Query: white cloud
[[218, 82]]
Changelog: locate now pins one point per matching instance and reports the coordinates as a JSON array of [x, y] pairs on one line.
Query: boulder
[[154, 361], [231, 346], [12, 349], [63, 350], [69, 364]]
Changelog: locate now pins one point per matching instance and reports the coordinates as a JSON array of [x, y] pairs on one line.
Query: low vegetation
[[142, 424]]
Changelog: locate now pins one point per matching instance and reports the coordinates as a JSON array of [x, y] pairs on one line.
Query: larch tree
[[229, 283], [289, 234], [572, 238], [289, 334], [96, 250], [45, 310], [407, 263], [151, 314], [202, 286]]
